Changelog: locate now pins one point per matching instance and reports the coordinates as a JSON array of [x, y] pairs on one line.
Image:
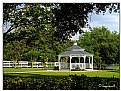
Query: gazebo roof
[[74, 47], [75, 50]]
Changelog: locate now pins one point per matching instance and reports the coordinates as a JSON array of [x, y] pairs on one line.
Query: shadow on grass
[[29, 75], [110, 70], [117, 71], [40, 76]]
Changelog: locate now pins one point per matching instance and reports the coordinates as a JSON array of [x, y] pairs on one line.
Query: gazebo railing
[[65, 65], [81, 65], [74, 65]]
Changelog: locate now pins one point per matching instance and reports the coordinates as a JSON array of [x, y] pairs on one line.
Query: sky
[[110, 21]]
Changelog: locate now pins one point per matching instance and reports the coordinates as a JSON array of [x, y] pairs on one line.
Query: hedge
[[71, 82]]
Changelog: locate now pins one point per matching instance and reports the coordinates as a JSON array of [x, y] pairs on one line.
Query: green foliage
[[14, 51], [40, 46], [72, 82], [77, 68], [56, 68], [45, 29], [67, 18], [103, 44]]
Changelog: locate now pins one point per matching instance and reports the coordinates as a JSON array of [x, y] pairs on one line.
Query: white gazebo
[[75, 56]]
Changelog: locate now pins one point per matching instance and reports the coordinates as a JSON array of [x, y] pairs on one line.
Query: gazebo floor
[[67, 70]]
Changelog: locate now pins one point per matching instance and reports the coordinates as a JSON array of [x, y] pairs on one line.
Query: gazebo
[[75, 56]]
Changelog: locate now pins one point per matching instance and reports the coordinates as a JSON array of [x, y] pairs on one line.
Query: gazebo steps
[[89, 69], [64, 70]]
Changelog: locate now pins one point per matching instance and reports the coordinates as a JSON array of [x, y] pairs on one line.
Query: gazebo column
[[92, 62], [84, 62], [79, 62], [79, 59], [70, 62], [89, 61], [59, 62]]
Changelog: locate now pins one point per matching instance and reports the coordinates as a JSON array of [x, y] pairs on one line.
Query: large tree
[[103, 44], [37, 43], [47, 27], [68, 19]]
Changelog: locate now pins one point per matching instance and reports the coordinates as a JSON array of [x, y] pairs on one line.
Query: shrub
[[71, 82], [56, 68], [77, 68]]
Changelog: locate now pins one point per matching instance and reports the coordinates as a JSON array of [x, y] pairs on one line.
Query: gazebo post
[[89, 61], [92, 62], [70, 62], [79, 59], [84, 61], [59, 62]]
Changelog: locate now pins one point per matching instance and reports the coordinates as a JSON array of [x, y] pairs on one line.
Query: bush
[[77, 69], [56, 68], [72, 82]]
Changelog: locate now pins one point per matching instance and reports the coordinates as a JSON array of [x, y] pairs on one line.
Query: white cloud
[[110, 21]]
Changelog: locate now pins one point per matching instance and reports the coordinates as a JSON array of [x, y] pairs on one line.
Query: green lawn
[[21, 69], [39, 72]]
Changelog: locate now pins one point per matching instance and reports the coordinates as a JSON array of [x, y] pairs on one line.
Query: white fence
[[22, 64]]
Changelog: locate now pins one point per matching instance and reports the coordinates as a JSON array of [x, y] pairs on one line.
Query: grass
[[101, 73], [113, 67], [21, 69], [39, 72]]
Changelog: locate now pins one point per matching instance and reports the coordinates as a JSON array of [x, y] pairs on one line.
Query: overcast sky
[[110, 21]]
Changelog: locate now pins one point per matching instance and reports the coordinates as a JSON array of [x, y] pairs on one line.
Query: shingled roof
[[75, 50], [74, 47]]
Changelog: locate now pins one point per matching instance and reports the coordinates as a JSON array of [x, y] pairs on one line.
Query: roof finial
[[75, 43]]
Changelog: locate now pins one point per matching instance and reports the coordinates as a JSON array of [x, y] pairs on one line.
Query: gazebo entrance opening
[[75, 57]]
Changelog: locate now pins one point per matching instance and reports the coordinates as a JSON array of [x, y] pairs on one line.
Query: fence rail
[[25, 64]]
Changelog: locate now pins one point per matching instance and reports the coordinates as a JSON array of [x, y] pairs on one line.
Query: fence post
[[9, 64], [21, 65]]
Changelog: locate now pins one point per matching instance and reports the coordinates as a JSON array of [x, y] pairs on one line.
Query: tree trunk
[[98, 66], [14, 64], [18, 63], [32, 64], [31, 61]]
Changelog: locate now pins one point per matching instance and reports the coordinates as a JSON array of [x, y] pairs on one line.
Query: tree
[[103, 44], [24, 16], [32, 55], [72, 17], [14, 51], [47, 27], [68, 19]]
